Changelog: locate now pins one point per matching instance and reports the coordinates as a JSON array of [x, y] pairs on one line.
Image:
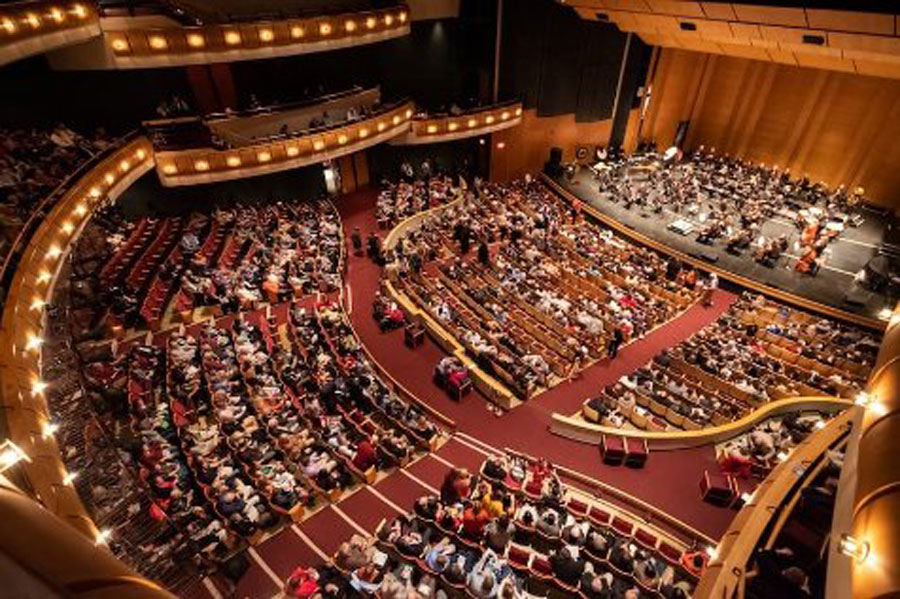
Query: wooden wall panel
[[840, 128]]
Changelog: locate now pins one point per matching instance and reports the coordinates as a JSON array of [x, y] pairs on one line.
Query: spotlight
[[69, 478], [851, 547], [103, 536]]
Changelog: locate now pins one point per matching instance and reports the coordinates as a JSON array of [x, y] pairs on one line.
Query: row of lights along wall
[[263, 156], [123, 165], [35, 20], [199, 39], [471, 122]]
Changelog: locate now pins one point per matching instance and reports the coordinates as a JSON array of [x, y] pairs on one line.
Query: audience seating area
[[514, 531], [759, 351], [548, 292], [155, 271], [405, 198]]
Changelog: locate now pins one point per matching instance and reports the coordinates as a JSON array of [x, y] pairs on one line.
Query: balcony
[[148, 42], [29, 28], [207, 164], [472, 123]]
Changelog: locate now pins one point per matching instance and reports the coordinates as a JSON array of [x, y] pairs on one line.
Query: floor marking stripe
[[265, 567], [474, 443], [387, 501], [350, 521], [211, 588], [309, 542], [446, 463], [419, 481]]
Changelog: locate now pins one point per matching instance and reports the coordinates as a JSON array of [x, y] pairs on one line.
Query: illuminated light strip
[[350, 521], [419, 481], [387, 501], [309, 542], [265, 567]]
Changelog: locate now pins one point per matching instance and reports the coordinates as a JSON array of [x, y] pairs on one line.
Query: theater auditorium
[[449, 299]]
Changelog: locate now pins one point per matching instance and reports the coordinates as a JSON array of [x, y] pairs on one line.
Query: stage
[[849, 253]]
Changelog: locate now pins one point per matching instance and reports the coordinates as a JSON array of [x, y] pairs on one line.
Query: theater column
[[635, 57]]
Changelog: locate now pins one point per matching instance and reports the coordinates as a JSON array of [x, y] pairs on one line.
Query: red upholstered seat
[[518, 558], [636, 452], [577, 507], [612, 449], [720, 489], [645, 538], [623, 526], [599, 516], [541, 567], [671, 553]]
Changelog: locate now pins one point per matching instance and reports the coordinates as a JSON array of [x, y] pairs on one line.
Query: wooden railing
[[587, 432], [28, 28], [206, 165], [767, 509], [142, 47], [448, 127]]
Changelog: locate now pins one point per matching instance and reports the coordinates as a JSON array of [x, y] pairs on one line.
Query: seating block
[[612, 449]]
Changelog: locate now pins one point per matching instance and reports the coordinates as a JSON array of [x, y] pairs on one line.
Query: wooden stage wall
[[840, 128]]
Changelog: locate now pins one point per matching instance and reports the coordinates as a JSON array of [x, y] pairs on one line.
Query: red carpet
[[670, 479]]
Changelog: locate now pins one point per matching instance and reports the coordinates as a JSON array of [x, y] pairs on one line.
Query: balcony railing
[[478, 121], [28, 28]]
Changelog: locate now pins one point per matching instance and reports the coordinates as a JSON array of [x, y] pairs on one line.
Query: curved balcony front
[[208, 164], [29, 28], [129, 43], [451, 127]]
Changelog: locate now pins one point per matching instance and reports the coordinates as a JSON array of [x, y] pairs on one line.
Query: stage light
[[233, 161], [201, 165], [325, 29], [170, 169], [8, 25], [266, 35], [297, 32], [69, 478], [10, 455], [157, 42], [370, 23], [103, 536], [34, 342], [862, 398], [350, 26], [33, 20], [851, 547], [38, 387], [232, 38], [264, 156], [49, 429], [195, 40], [432, 129]]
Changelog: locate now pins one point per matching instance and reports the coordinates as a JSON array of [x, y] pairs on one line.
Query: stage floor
[[849, 253]]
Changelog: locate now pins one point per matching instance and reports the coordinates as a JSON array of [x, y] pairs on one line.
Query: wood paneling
[[840, 128]]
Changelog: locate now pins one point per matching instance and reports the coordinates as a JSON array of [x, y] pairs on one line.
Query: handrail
[[37, 215], [283, 106], [814, 306], [628, 500], [475, 110], [727, 569], [588, 432]]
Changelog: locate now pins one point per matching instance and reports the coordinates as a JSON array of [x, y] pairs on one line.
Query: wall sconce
[[858, 550], [862, 399], [120, 45], [196, 40], [232, 38], [95, 192], [10, 455], [54, 252], [408, 112], [44, 277], [501, 145], [80, 209], [157, 42]]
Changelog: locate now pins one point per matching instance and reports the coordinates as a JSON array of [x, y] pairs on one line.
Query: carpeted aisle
[[670, 480]]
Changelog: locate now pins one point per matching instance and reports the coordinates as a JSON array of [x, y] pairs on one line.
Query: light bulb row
[[473, 122], [33, 21]]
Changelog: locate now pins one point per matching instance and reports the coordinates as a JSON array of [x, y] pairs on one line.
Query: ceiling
[[867, 43]]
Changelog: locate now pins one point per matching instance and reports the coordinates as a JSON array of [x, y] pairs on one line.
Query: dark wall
[[440, 62], [454, 157], [560, 63], [33, 94]]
